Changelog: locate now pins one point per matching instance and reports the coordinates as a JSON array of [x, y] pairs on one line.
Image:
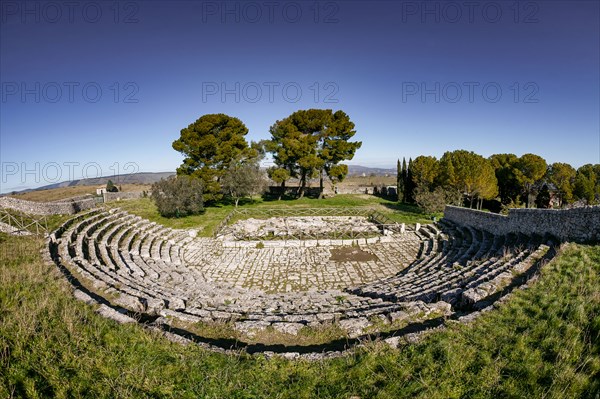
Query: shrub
[[178, 196], [243, 180], [111, 188], [431, 201]]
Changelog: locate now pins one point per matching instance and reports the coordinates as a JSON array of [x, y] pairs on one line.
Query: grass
[[205, 223], [543, 342], [213, 215], [269, 336]]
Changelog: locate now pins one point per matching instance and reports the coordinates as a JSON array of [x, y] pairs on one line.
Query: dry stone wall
[[47, 208], [578, 224]]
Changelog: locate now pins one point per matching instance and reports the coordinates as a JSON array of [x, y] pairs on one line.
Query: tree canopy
[[468, 173], [209, 145], [509, 187], [562, 176], [178, 196], [587, 183], [530, 168], [243, 179], [425, 170], [311, 143]]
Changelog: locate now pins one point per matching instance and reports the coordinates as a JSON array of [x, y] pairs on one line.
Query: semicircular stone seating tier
[[140, 267]]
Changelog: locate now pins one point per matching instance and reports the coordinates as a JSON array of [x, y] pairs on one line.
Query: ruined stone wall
[[578, 224], [294, 190], [123, 195], [355, 190], [66, 207]]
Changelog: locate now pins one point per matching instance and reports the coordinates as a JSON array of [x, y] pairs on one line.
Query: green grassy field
[[544, 342], [213, 215]]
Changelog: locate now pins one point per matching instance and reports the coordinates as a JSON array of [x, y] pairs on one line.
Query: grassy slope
[[544, 342], [68, 192]]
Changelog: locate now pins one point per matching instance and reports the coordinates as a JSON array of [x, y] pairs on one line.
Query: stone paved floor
[[286, 269]]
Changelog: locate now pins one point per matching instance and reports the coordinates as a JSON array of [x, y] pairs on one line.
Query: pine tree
[[209, 145], [543, 198]]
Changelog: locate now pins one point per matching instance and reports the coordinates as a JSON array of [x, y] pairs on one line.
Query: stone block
[[175, 303], [355, 327], [288, 328], [372, 240], [251, 328], [398, 316]]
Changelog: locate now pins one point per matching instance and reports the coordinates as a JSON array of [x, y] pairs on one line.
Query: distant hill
[[149, 178], [131, 178], [357, 170]]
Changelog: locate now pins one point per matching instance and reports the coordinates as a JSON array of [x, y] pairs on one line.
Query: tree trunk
[[282, 191], [302, 185], [321, 184], [236, 202]]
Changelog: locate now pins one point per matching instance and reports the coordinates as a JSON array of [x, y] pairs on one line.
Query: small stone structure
[[578, 224]]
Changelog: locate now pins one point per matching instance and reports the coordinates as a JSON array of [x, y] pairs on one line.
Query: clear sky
[[94, 88]]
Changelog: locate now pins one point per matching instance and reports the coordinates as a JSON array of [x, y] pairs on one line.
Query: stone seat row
[[139, 266], [467, 260], [109, 258]]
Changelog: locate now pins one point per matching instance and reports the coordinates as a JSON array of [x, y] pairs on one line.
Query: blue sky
[[98, 87]]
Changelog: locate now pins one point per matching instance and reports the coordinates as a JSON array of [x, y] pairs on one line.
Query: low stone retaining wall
[[47, 208], [355, 190], [578, 224]]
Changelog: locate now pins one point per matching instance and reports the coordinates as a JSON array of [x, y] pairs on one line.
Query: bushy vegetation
[[110, 187], [431, 201], [504, 178], [543, 342], [244, 179], [178, 196]]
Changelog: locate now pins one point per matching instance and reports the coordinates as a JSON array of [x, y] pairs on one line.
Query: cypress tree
[[404, 179], [400, 181], [409, 185]]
